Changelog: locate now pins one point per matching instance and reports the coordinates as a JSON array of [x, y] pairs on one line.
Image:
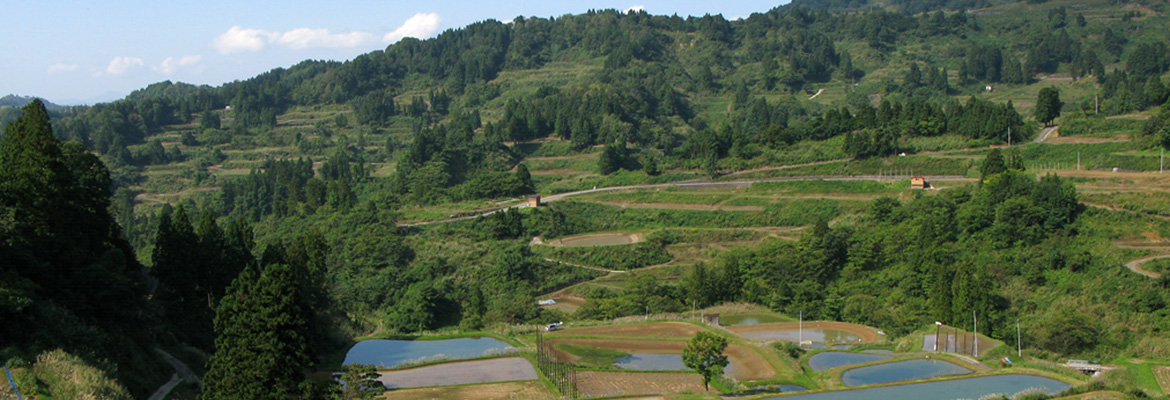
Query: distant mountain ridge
[[18, 101]]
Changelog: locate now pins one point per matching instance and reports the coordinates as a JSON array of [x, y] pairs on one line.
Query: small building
[[711, 319], [919, 182], [989, 88], [534, 200]]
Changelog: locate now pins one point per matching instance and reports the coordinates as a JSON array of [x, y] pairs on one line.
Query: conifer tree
[[1047, 106], [261, 347]]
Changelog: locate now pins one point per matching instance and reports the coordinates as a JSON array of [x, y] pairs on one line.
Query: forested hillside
[[326, 200]]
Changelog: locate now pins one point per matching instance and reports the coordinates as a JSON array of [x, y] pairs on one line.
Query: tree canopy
[[704, 354]]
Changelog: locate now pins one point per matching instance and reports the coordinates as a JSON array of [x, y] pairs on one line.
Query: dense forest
[[280, 264]]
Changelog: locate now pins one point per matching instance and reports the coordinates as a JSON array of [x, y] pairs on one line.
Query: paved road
[[1044, 134], [182, 373], [697, 184]]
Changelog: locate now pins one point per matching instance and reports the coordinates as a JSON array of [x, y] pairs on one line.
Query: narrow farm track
[[697, 184], [160, 197], [1112, 208], [1136, 265], [783, 167], [612, 271]]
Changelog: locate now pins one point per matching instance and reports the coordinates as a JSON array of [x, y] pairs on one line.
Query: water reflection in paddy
[[969, 388], [812, 334], [833, 359], [900, 371], [651, 362], [392, 353]]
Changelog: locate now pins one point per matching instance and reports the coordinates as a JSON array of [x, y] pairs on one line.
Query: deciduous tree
[[704, 354]]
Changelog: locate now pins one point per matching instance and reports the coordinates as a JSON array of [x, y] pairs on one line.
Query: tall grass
[[69, 377]]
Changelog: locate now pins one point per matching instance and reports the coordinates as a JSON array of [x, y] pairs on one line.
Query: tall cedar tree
[[54, 201], [262, 347], [60, 250], [1048, 106]]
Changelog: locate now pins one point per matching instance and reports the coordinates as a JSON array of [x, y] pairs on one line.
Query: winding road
[[1136, 265]]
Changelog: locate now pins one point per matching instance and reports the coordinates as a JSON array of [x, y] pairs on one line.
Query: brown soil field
[[599, 384], [658, 329], [867, 334], [492, 391], [749, 365], [1162, 374], [458, 373]]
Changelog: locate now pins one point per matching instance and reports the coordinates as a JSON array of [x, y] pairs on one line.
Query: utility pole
[[800, 331], [937, 326], [1162, 160], [1019, 350], [976, 336], [1009, 136], [1078, 161]]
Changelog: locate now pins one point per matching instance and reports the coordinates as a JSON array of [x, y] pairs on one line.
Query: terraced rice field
[[493, 391], [607, 384]]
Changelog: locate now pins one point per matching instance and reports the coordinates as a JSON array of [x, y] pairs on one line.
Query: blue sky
[[74, 52]]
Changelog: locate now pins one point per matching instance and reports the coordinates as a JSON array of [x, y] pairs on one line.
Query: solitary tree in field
[[1048, 106], [704, 354]]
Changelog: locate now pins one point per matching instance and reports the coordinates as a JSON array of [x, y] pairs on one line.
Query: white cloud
[[421, 25], [636, 8], [172, 65], [122, 65], [304, 38], [61, 67], [238, 40]]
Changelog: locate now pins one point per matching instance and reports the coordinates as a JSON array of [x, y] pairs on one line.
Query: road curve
[[1044, 134], [1136, 265], [182, 373]]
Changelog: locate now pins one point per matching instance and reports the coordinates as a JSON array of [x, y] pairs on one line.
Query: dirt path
[[612, 271], [1112, 208], [676, 206], [696, 184], [790, 166], [158, 197], [822, 90], [182, 374], [1136, 265]]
